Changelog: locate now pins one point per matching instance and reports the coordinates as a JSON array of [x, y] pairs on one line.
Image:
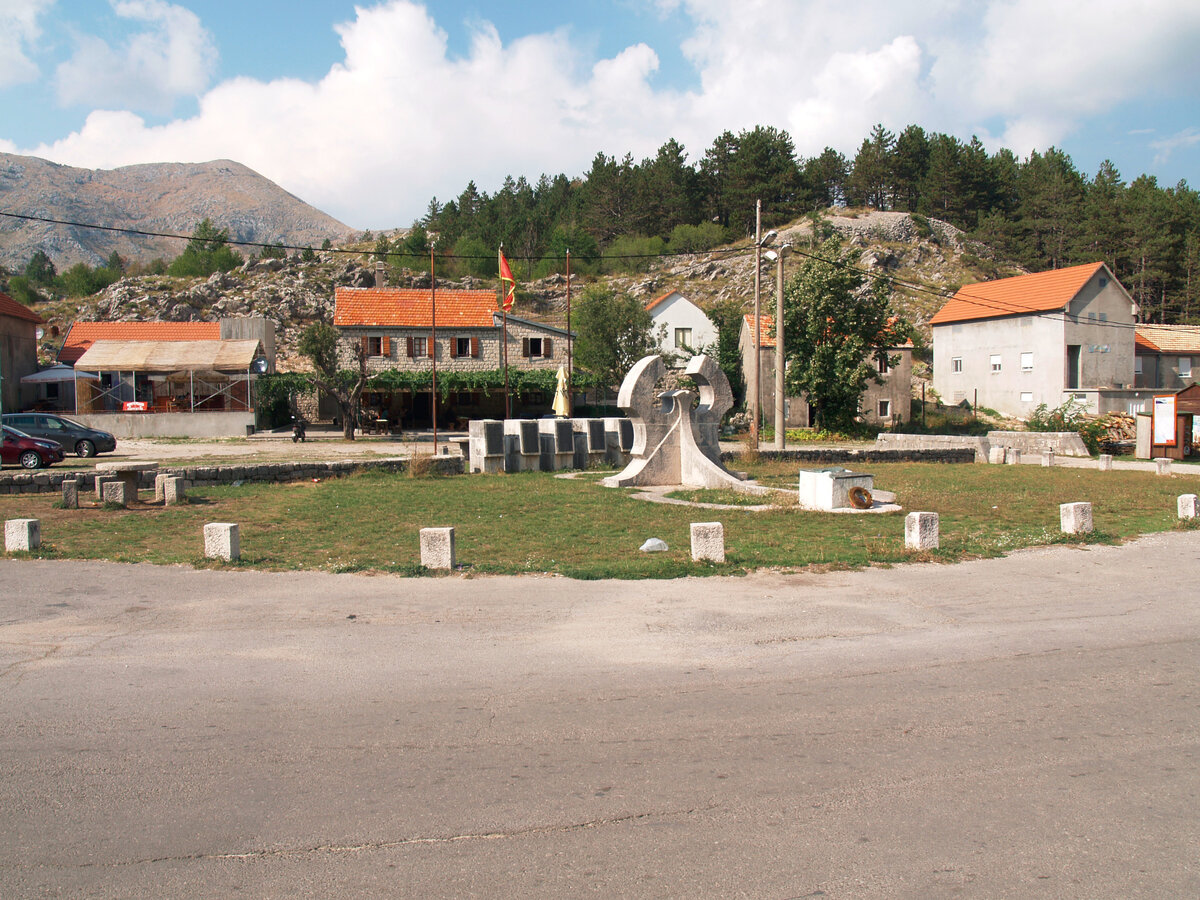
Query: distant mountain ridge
[[160, 197]]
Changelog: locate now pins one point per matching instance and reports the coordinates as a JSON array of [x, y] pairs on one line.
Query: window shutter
[[387, 346], [547, 348], [410, 347], [432, 347], [525, 347], [365, 342], [454, 348], [475, 348]]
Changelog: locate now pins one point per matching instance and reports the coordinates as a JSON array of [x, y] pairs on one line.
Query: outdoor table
[[128, 472]]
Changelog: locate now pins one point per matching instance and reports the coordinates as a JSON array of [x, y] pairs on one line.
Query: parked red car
[[18, 448]]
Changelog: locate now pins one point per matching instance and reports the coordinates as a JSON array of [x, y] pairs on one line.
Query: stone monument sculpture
[[674, 441]]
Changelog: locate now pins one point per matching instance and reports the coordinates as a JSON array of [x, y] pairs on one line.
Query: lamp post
[[760, 240], [777, 256]]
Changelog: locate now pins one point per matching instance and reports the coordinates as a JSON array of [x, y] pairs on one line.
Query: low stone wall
[[1063, 443], [979, 446], [50, 480], [836, 456], [204, 424]]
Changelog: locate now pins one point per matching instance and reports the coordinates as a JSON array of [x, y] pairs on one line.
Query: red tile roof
[[82, 335], [767, 324], [411, 308], [657, 300], [10, 307], [1181, 339], [1040, 292]]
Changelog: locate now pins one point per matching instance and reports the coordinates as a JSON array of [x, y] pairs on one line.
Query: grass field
[[536, 523]]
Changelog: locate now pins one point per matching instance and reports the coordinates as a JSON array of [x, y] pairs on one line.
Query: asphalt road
[[1026, 727]]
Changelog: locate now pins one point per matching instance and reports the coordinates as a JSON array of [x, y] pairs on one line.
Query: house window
[[537, 347], [885, 409], [420, 347], [1137, 365], [1103, 317], [465, 347], [683, 338], [1185, 367], [1026, 362], [956, 364], [881, 363], [1026, 396], [1091, 318], [376, 345], [996, 366]]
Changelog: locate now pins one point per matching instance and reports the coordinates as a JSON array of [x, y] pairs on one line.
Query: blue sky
[[369, 110]]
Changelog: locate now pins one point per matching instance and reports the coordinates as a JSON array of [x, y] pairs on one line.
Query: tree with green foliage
[[613, 332], [274, 251], [40, 270], [727, 316], [207, 252], [836, 326], [319, 344]]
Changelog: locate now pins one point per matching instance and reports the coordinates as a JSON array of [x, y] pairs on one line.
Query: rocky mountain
[[161, 197], [294, 293]]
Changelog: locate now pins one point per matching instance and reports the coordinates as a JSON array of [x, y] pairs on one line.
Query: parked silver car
[[75, 438]]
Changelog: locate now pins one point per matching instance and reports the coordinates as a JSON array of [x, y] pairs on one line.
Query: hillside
[[160, 197], [294, 294]]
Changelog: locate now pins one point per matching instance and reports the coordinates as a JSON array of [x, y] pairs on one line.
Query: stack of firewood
[[1119, 427]]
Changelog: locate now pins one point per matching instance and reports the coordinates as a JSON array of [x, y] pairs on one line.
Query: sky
[[369, 110]]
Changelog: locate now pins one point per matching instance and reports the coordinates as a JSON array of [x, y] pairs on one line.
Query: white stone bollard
[[159, 480], [70, 493], [114, 492], [996, 456], [708, 542], [1047, 459], [221, 541], [100, 482], [1188, 506], [173, 491], [437, 548], [1075, 518], [1104, 462], [22, 535], [921, 531], [1162, 465], [1013, 456]]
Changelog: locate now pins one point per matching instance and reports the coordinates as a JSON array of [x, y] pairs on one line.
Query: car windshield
[[70, 423]]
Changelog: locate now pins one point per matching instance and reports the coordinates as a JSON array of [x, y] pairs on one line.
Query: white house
[[684, 327], [1015, 343]]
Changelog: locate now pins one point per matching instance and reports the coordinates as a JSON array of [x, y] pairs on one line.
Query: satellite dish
[[259, 365], [40, 332]]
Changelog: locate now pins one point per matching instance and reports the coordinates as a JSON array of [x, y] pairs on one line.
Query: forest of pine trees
[[1039, 213]]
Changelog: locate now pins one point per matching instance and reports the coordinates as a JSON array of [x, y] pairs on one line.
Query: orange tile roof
[[82, 335], [657, 300], [1183, 339], [10, 307], [1040, 292], [410, 308], [767, 324]]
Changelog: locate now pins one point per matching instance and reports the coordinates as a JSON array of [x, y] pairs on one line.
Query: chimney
[[379, 270]]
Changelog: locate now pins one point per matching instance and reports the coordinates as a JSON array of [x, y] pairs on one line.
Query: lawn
[[536, 523]]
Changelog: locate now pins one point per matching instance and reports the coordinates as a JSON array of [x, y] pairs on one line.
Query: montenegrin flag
[[507, 282]]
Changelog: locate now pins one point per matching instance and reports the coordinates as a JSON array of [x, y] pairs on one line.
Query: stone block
[[100, 481], [1012, 456], [825, 490], [437, 548], [520, 445], [996, 456], [1075, 518], [579, 459], [159, 480], [221, 541], [173, 491], [115, 491], [1188, 506], [1162, 465], [561, 444], [70, 493], [921, 531], [22, 535], [486, 440], [708, 542], [1048, 459], [1104, 462]]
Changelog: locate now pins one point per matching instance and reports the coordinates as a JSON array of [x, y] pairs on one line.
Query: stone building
[[394, 327], [18, 350]]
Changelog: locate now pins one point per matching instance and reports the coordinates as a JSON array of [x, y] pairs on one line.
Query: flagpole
[[504, 313], [570, 398], [433, 354]]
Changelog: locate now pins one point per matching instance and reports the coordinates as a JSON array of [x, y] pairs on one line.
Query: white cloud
[[18, 29], [1189, 137], [175, 56], [399, 120]]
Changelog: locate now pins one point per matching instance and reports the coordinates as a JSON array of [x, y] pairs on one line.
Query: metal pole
[[504, 319], [433, 349], [570, 401], [780, 425], [757, 405]]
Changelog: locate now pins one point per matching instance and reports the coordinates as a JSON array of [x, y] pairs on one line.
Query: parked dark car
[[27, 451], [75, 438]]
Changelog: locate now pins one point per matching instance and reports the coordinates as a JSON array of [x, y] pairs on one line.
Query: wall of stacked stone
[[978, 445], [43, 482], [1063, 443], [835, 456]]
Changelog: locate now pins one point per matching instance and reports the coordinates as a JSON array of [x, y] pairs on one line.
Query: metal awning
[[169, 356]]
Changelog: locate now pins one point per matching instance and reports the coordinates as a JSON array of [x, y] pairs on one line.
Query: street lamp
[[777, 256], [760, 240]]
